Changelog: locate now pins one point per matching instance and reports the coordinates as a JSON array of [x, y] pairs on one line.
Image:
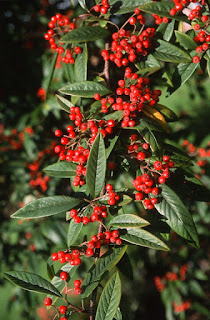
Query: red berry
[[132, 20], [141, 155], [97, 96], [196, 59], [63, 309], [77, 283], [64, 275], [78, 290], [47, 301]]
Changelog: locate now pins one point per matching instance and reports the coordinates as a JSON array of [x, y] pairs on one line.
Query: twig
[[106, 67]]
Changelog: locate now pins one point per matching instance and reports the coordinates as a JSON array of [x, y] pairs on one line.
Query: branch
[[106, 67]]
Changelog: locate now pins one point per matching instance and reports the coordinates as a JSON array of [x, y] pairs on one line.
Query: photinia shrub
[[128, 182]]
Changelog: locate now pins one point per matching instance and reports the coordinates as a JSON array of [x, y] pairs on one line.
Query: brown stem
[[106, 67]]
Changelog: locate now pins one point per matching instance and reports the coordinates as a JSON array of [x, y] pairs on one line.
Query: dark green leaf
[[178, 217], [128, 220], [85, 89], [161, 9], [69, 72], [103, 265], [143, 238], [62, 169], [185, 71], [125, 6], [86, 33], [186, 41], [96, 166], [64, 103], [110, 299], [82, 4], [168, 114], [32, 282], [112, 143], [81, 64], [170, 53], [46, 207], [51, 73], [125, 200], [125, 267], [117, 115], [151, 139], [169, 31], [73, 232]]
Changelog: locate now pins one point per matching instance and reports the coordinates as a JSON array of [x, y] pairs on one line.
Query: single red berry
[[97, 96], [64, 275], [132, 21], [161, 180], [63, 309], [196, 59], [141, 156], [47, 301], [54, 256], [78, 290], [77, 283]]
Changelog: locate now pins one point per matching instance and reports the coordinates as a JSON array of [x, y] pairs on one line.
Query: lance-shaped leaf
[[169, 31], [168, 114], [104, 264], [96, 166], [128, 220], [46, 207], [83, 4], [156, 116], [86, 33], [186, 41], [178, 217], [73, 232], [126, 6], [150, 137], [81, 64], [168, 52], [32, 282], [85, 89], [161, 9], [143, 238], [51, 73], [110, 299], [64, 103], [62, 169]]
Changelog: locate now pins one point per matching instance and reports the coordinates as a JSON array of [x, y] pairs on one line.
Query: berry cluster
[[203, 41], [60, 25], [73, 258], [113, 197], [102, 7], [127, 47], [181, 4]]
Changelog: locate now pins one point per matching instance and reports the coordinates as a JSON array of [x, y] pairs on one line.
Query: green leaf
[[128, 220], [122, 7], [85, 89], [151, 139], [62, 169], [143, 238], [69, 72], [185, 71], [45, 207], [112, 143], [186, 41], [168, 114], [125, 200], [170, 53], [125, 267], [83, 4], [102, 266], [64, 103], [96, 166], [110, 299], [161, 9], [50, 74], [169, 31], [81, 64], [117, 115], [118, 315], [150, 65], [32, 282], [178, 217], [73, 232], [86, 33]]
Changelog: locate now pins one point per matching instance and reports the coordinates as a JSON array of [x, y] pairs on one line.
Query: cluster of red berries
[[159, 20], [147, 183], [181, 307], [113, 197], [203, 39], [73, 258], [181, 4], [99, 213], [60, 25], [127, 47], [102, 7]]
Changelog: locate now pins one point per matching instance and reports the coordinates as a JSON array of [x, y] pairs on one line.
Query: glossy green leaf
[[68, 69], [110, 299], [85, 89], [126, 6], [62, 169], [46, 207], [102, 266], [169, 31], [186, 41], [51, 73], [150, 65], [112, 143], [81, 64], [150, 137], [117, 115], [32, 282], [178, 217], [118, 315], [168, 52], [143, 238], [64, 103], [125, 266], [83, 4], [86, 33], [125, 200], [96, 166], [185, 71], [73, 232], [128, 220], [161, 9]]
